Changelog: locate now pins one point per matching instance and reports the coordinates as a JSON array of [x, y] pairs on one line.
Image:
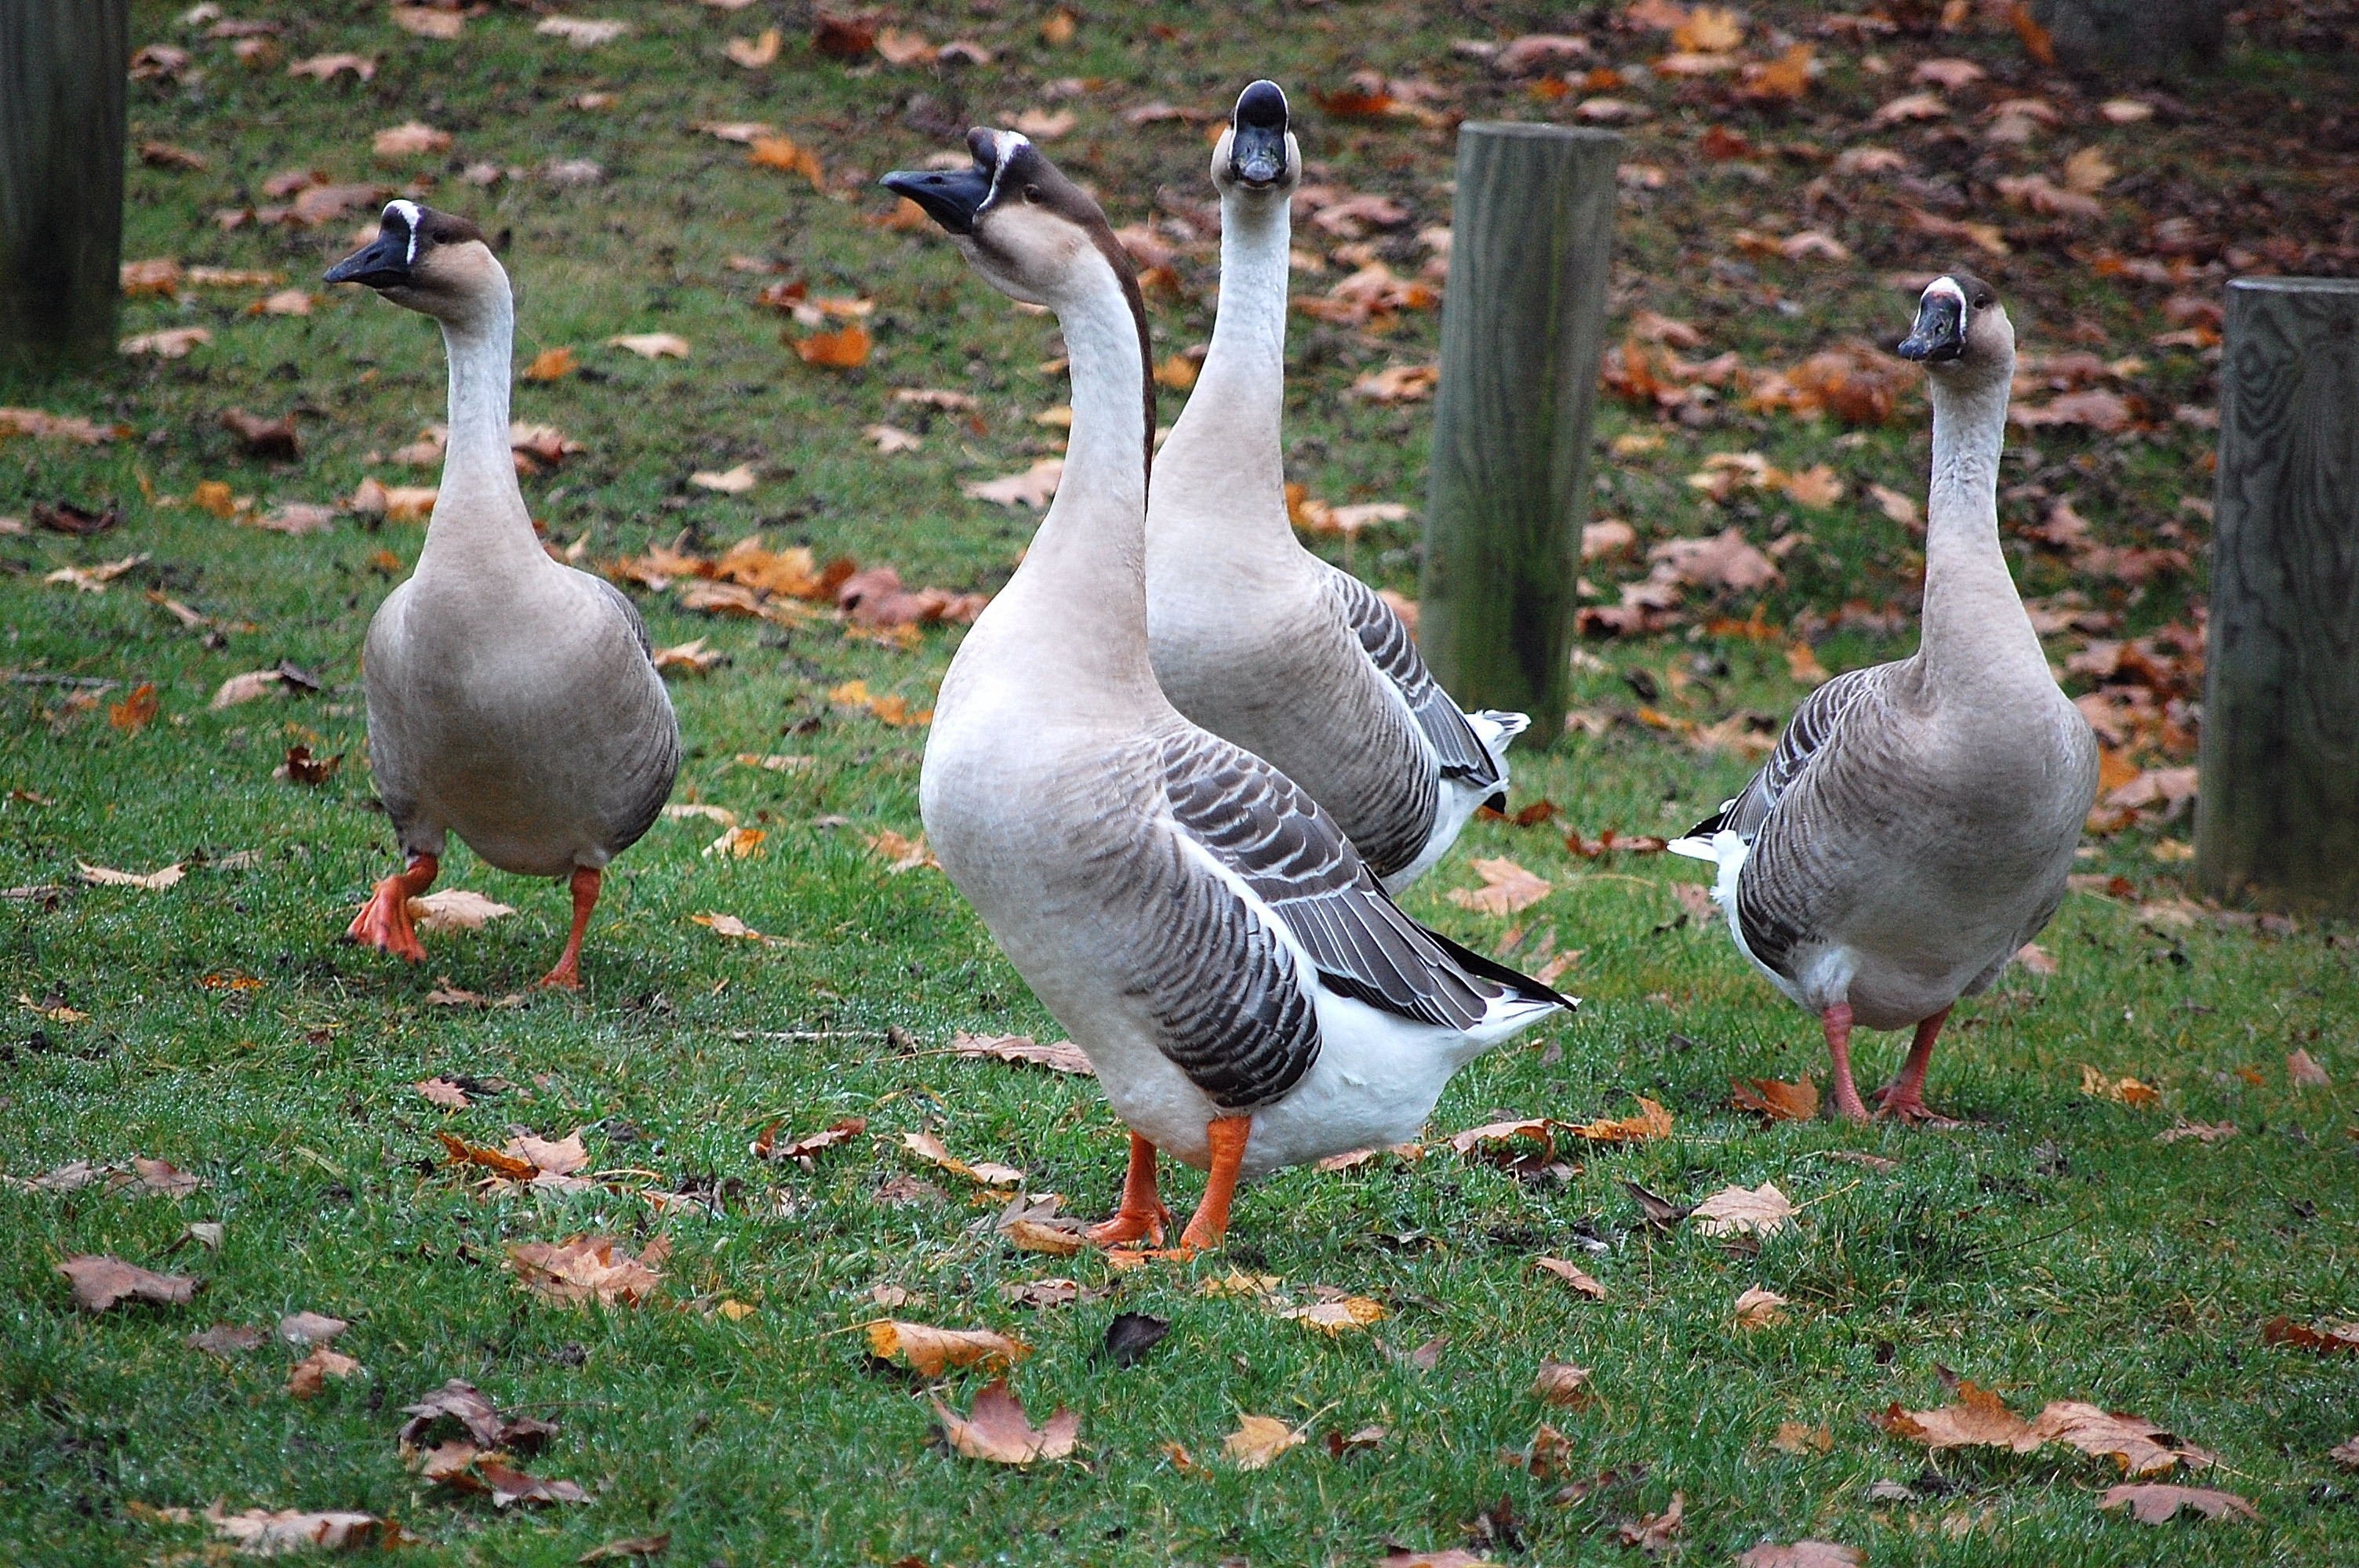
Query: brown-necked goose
[[1254, 637], [1914, 827], [1249, 996], [512, 699]]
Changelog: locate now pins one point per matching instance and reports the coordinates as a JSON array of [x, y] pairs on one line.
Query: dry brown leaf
[[135, 711], [310, 1375], [1036, 486], [2305, 1072], [311, 1328], [2326, 1339], [1507, 888], [152, 881], [903, 854], [651, 345], [455, 909], [737, 844], [789, 156], [2139, 1447], [1737, 1211], [1258, 1441], [1798, 1437], [227, 1339], [428, 21], [841, 350], [550, 364], [327, 67], [1581, 1281], [1057, 1056], [1562, 1383], [2121, 1091], [1650, 1122], [409, 140], [267, 1532], [929, 1351], [997, 1430], [1776, 1100], [581, 32], [1757, 1308], [1339, 1315], [587, 1269], [991, 1174], [2153, 1503], [1654, 1533], [100, 1281], [757, 52], [1803, 1554]]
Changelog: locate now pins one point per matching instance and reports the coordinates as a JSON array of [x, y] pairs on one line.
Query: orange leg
[[566, 975], [1903, 1096], [1142, 1215], [383, 920], [1836, 1021], [1227, 1136]]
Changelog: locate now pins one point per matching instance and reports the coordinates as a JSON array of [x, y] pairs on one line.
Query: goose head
[[1961, 329], [432, 261], [1033, 234], [1257, 152]]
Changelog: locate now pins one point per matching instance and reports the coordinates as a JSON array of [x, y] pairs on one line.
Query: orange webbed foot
[[1130, 1226], [383, 920]]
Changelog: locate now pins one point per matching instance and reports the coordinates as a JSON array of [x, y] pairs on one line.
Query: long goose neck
[[479, 521], [1975, 627], [1082, 586], [1225, 447]]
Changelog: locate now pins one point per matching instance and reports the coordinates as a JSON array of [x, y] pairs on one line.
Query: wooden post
[[2278, 818], [1521, 329], [62, 65]]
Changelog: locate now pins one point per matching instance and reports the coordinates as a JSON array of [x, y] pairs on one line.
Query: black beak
[[1940, 330], [1257, 135], [382, 265], [951, 198]]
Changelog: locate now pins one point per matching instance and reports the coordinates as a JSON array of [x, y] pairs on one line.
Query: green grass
[[2050, 1249]]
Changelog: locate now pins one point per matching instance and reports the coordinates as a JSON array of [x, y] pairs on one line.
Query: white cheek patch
[[407, 210]]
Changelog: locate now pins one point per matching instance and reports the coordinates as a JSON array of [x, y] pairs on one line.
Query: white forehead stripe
[[1004, 146], [1948, 286], [407, 210]]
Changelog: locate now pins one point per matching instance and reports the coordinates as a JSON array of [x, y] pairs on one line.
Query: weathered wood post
[[1521, 328], [2277, 822], [62, 66]]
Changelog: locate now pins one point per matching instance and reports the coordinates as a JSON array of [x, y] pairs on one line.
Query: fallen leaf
[[1654, 1533], [246, 687], [455, 909], [1036, 486], [1650, 1122], [409, 140], [227, 1339], [309, 1376], [1258, 1441], [841, 38], [139, 708], [651, 345], [1572, 1275], [929, 1351], [2327, 1339], [1776, 1100], [903, 854], [58, 426], [997, 1430], [1131, 1336], [2305, 1072], [99, 1281], [171, 343], [459, 1401], [1797, 1437], [1803, 1554], [1562, 1383], [2121, 1091], [587, 1269], [302, 768], [428, 22], [788, 156], [757, 52], [267, 1532], [734, 480], [629, 1546], [2201, 1131], [1757, 1308], [1507, 888], [581, 32], [1737, 1211], [311, 1328], [550, 364], [891, 439], [328, 66], [1057, 1056], [991, 1174], [152, 881], [1337, 1317], [737, 844], [2345, 1453], [2153, 1503], [840, 349]]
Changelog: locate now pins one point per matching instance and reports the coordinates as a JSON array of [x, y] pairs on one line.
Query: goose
[[1915, 824], [1254, 637], [512, 699], [1249, 996]]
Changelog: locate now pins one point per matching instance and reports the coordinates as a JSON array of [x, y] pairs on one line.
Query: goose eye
[[1032, 194]]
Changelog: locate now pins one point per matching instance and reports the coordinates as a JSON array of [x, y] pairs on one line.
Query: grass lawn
[[2053, 1247]]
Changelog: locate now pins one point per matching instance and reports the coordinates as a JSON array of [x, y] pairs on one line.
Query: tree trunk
[[1521, 328], [62, 69], [2277, 815], [2139, 40]]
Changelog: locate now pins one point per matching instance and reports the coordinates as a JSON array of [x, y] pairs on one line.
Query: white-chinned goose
[[512, 699], [1253, 636], [1250, 997], [1914, 827]]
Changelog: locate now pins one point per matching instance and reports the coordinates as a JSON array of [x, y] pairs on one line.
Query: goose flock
[[1180, 765]]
